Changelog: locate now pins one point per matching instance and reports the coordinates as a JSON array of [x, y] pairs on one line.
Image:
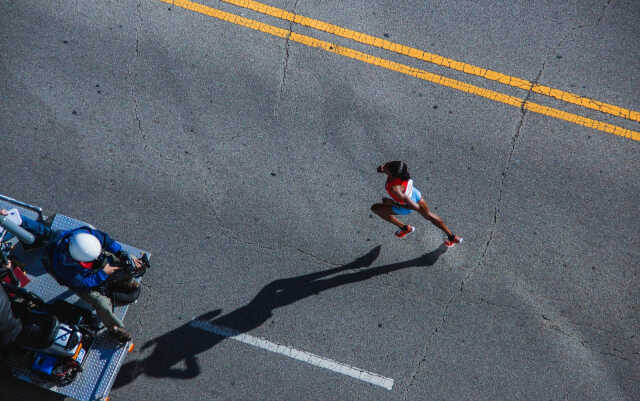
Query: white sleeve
[[409, 189]]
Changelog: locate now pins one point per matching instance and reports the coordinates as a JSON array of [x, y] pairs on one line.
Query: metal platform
[[105, 357]]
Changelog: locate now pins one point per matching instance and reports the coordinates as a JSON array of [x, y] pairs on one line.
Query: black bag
[[120, 298]]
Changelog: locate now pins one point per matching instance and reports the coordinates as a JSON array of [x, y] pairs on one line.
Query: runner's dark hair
[[399, 169]]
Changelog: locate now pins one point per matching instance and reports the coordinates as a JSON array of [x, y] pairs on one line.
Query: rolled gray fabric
[[23, 235]]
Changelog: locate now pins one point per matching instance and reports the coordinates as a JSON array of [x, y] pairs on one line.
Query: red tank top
[[407, 188]]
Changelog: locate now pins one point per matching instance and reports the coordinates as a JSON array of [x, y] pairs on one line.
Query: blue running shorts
[[415, 196]]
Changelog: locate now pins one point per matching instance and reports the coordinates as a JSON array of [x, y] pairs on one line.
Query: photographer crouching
[[91, 264]]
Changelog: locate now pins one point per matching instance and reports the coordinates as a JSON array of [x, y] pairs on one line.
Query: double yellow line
[[418, 73]]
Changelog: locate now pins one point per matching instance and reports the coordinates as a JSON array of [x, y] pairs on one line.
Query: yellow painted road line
[[404, 69], [438, 60]]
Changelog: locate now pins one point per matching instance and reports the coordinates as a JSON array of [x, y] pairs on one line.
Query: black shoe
[[120, 334]]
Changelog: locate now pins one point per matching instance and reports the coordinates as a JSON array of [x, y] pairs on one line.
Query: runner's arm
[[408, 202]]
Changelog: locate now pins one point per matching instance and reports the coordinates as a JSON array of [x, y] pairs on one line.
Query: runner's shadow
[[185, 342]]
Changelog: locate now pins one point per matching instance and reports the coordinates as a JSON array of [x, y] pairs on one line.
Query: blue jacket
[[68, 271]]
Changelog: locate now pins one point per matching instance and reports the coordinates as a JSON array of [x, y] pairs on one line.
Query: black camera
[[127, 264]]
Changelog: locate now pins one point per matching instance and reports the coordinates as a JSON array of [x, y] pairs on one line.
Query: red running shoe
[[451, 243], [405, 231]]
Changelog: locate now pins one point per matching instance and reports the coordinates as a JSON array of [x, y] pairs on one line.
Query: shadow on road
[[186, 342]]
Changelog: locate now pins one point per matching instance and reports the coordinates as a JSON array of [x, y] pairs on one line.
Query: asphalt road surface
[[242, 154]]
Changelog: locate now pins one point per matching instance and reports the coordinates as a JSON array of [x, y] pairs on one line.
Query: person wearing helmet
[[74, 260], [406, 198]]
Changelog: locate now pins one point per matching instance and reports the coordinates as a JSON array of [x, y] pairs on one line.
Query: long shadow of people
[[185, 342]]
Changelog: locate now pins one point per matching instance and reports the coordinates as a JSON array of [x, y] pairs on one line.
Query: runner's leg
[[433, 218], [386, 213]]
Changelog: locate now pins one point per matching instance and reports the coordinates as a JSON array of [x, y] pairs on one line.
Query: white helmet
[[84, 247]]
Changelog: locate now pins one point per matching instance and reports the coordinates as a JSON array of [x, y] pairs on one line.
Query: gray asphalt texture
[[246, 164]]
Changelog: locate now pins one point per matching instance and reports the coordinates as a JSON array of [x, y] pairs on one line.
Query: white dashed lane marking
[[303, 356]]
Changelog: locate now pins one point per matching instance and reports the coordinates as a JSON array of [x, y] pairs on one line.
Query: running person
[[406, 198]]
